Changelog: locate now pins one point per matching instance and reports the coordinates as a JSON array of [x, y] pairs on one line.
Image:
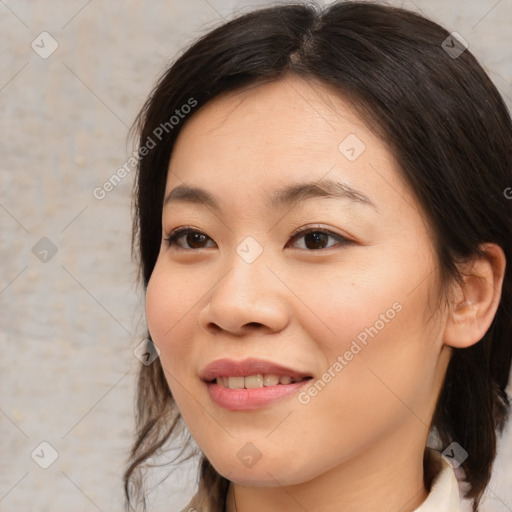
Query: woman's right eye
[[192, 237]]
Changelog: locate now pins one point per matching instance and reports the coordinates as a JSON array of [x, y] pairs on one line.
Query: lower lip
[[250, 399]]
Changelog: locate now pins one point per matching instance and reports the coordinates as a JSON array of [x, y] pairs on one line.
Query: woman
[[323, 226]]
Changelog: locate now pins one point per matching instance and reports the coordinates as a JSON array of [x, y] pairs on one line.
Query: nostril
[[254, 324]]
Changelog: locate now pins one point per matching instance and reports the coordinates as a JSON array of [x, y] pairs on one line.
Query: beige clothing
[[444, 494]]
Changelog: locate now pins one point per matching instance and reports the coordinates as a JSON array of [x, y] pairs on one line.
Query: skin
[[358, 444]]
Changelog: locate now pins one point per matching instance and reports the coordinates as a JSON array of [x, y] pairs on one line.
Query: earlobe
[[474, 302]]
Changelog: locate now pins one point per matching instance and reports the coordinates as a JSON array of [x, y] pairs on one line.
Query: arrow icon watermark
[[455, 454], [249, 249], [44, 455], [44, 45], [146, 352], [44, 249], [249, 455], [351, 147], [454, 45]]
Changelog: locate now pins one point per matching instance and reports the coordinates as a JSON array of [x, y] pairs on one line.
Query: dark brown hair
[[447, 127]]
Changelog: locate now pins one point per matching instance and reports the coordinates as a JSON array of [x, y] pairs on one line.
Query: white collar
[[444, 494]]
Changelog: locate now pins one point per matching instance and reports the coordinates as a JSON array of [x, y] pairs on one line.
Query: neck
[[381, 480]]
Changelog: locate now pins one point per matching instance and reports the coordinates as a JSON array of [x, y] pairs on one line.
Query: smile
[[256, 381]]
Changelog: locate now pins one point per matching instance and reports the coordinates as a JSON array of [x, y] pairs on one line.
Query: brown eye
[[315, 239], [194, 239]]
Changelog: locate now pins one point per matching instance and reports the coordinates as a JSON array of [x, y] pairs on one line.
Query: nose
[[248, 297]]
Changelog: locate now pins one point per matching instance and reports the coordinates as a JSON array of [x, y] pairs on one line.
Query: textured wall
[[70, 309]]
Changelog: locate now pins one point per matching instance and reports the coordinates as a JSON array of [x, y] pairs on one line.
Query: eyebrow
[[287, 196]]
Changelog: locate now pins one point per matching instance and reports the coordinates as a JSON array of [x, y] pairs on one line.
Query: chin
[[262, 473]]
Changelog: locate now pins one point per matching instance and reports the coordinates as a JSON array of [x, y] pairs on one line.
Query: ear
[[473, 304]]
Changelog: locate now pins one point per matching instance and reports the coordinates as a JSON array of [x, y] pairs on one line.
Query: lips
[[250, 384], [248, 367]]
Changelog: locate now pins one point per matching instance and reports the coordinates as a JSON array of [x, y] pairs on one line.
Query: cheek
[[158, 295], [173, 303], [380, 362], [384, 376], [168, 316], [367, 307]]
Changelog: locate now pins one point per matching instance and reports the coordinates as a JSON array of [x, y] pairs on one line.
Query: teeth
[[271, 380], [236, 382], [255, 381]]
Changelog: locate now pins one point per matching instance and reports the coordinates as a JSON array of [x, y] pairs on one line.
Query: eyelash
[[178, 233]]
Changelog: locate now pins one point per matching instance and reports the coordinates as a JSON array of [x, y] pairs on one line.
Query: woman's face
[[348, 305]]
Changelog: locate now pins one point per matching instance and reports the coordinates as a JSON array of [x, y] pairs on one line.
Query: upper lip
[[246, 367]]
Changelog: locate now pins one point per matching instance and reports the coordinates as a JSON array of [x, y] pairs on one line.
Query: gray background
[[69, 321]]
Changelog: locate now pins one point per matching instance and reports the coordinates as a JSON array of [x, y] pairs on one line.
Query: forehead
[[255, 141], [290, 112]]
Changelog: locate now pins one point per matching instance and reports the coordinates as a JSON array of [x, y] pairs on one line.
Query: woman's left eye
[[314, 238]]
